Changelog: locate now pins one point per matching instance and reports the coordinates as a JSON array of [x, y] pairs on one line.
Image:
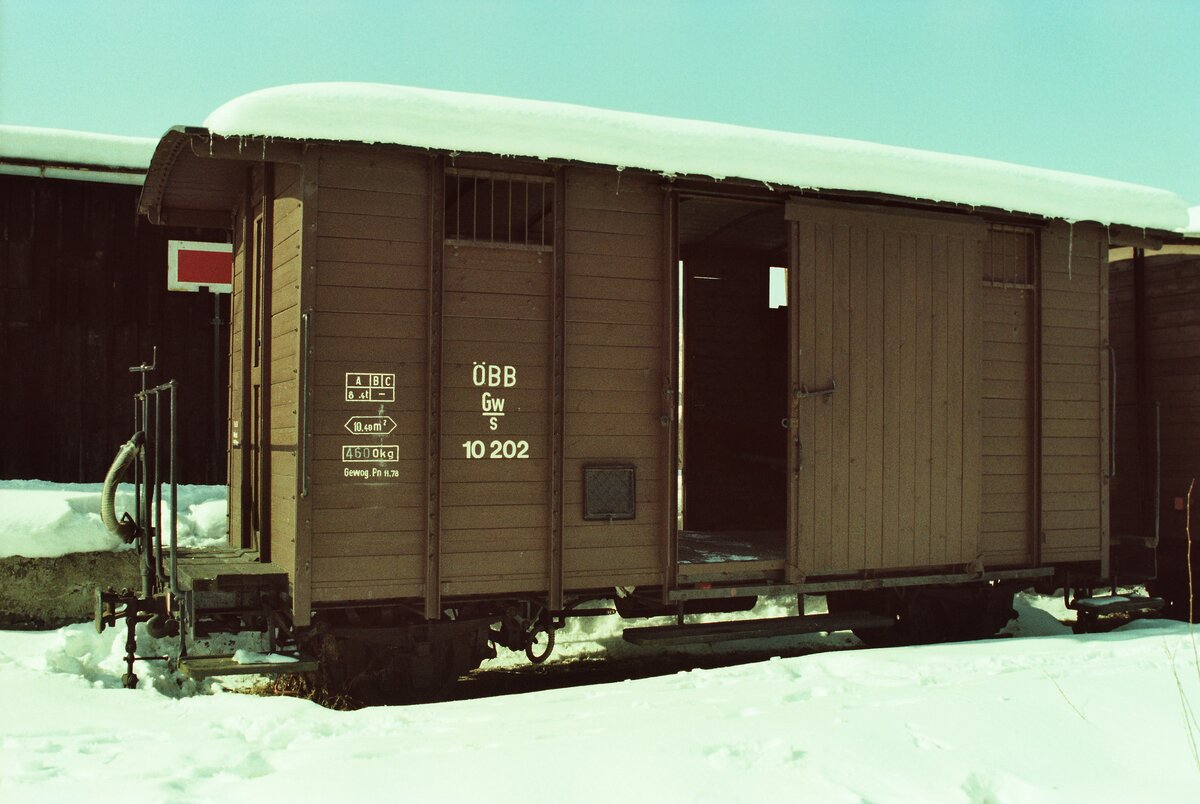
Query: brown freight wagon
[[1155, 303], [456, 384]]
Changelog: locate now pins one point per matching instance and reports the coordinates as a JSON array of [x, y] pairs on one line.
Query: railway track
[[602, 668]]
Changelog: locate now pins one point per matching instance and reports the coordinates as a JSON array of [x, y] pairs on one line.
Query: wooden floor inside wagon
[[711, 547]]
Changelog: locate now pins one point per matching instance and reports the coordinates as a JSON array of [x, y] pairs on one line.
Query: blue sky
[[1103, 87]]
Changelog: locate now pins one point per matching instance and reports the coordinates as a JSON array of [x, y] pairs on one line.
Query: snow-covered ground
[[1055, 717], [1043, 715], [40, 519]]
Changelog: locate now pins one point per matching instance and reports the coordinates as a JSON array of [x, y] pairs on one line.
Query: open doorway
[[734, 380]]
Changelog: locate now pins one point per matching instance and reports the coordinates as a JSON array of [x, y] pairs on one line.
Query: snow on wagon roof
[[1193, 224], [455, 121], [60, 153]]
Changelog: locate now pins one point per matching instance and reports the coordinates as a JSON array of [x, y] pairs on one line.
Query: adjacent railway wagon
[[493, 358], [1155, 302]]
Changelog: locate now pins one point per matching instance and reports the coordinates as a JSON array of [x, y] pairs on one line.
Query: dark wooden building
[[83, 296]]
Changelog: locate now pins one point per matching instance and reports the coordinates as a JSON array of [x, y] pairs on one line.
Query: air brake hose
[[126, 528]]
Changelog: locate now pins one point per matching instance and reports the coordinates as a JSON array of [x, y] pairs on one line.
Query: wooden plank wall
[[496, 347], [287, 218], [237, 433], [369, 316], [1172, 349], [889, 307], [1074, 382], [615, 266], [1009, 461], [82, 297]]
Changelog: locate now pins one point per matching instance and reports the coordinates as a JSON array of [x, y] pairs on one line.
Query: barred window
[[1009, 257], [500, 208]]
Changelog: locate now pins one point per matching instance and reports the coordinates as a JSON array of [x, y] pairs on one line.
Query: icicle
[[620, 170], [1070, 249], [264, 149]]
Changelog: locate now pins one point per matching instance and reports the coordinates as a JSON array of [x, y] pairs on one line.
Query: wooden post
[[433, 431]]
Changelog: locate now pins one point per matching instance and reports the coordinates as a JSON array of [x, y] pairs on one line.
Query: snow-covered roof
[[1193, 225], [454, 121], [58, 153]]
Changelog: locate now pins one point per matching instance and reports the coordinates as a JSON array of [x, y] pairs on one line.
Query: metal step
[[201, 667], [1117, 604], [737, 630], [1096, 614]]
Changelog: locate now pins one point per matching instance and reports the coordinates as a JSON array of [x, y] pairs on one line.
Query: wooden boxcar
[[83, 295], [459, 376], [1155, 302]]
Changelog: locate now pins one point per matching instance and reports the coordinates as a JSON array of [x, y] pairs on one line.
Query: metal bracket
[[804, 393]]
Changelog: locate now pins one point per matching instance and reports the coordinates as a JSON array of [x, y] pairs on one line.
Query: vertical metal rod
[[174, 496], [144, 514], [137, 498], [129, 681], [158, 556], [217, 387], [145, 550]]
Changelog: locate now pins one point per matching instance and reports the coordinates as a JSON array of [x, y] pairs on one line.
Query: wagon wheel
[[531, 644]]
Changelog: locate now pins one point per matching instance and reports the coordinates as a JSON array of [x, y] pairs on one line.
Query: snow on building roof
[[454, 121], [58, 153]]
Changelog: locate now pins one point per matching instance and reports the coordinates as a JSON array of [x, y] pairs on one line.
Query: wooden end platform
[[227, 570], [201, 667]]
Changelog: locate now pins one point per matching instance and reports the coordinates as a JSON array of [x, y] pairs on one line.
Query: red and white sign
[[196, 266]]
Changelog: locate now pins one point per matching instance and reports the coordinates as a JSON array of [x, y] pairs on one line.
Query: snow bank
[[463, 122], [41, 520], [61, 147]]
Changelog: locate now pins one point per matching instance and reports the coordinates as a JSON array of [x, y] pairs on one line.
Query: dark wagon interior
[[733, 380]]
